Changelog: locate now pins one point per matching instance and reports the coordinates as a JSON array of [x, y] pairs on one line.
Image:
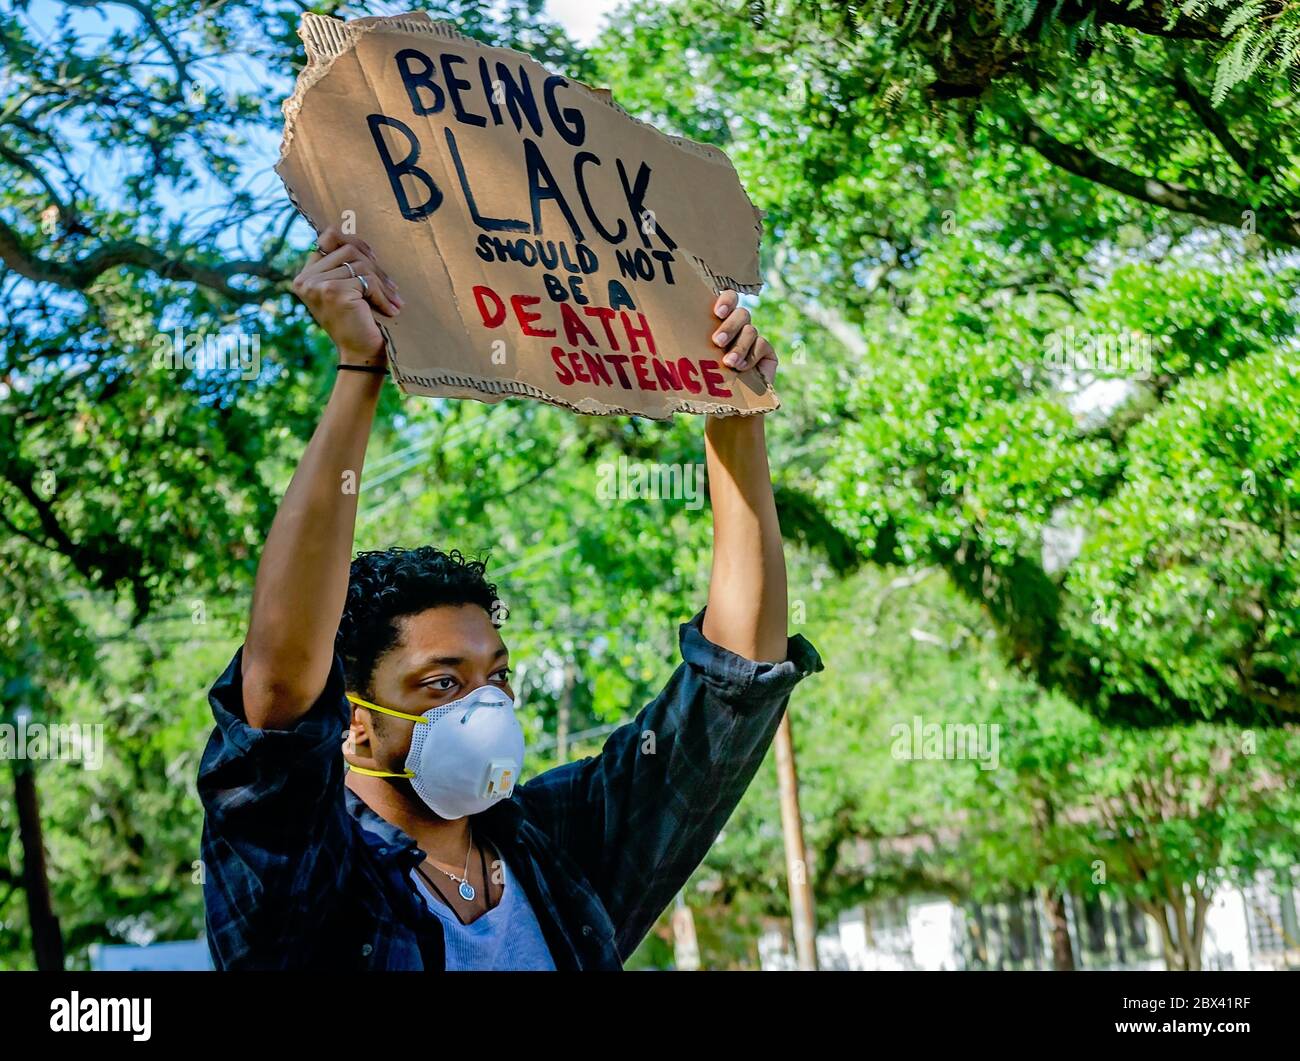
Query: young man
[[409, 847]]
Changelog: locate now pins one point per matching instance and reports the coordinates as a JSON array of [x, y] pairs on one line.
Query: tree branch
[[825, 316], [159, 34], [104, 561], [1151, 18], [78, 274], [66, 212], [1275, 224], [1218, 128]]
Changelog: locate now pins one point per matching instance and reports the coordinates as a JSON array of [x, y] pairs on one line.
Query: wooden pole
[[802, 911], [562, 712], [686, 947]]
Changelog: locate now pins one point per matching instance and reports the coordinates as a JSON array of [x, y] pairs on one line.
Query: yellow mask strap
[[386, 710], [379, 773]]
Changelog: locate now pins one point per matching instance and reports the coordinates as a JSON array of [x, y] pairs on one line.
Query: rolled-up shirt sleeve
[[276, 838], [639, 817]]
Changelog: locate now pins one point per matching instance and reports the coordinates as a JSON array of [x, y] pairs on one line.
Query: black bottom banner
[[237, 1011]]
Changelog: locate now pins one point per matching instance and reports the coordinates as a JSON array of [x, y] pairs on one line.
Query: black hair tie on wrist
[[362, 368]]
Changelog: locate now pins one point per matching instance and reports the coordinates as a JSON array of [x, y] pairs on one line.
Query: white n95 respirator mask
[[465, 755]]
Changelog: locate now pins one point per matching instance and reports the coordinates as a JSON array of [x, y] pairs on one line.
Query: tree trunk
[[1044, 818], [47, 939], [1062, 946], [1189, 954], [1201, 905], [1156, 911], [1183, 953]]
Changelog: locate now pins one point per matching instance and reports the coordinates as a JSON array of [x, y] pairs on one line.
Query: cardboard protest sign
[[546, 244]]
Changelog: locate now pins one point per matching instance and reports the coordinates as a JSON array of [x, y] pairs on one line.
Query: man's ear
[[358, 738]]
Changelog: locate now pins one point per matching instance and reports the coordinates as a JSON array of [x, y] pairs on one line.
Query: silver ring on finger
[[365, 287], [351, 272]]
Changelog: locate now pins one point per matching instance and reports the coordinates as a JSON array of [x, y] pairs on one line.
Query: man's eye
[[442, 684], [503, 675]]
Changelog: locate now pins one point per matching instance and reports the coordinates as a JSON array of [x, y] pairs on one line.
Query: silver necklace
[[464, 887]]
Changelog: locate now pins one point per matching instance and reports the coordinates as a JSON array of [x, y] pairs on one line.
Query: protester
[[412, 846]]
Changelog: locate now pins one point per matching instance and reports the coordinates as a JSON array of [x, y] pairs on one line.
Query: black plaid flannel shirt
[[299, 873]]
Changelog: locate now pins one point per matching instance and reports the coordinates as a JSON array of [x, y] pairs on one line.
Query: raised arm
[[302, 577], [747, 590], [638, 818]]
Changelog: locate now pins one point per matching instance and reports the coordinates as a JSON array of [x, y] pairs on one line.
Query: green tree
[[1065, 396], [1160, 817], [133, 480], [1048, 801]]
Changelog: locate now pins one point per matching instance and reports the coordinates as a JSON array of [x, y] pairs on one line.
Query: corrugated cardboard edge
[[502, 388], [326, 39]]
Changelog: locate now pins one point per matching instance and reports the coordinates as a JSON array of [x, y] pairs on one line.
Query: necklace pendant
[[467, 891]]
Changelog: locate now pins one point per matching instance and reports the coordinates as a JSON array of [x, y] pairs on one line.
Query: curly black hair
[[388, 584]]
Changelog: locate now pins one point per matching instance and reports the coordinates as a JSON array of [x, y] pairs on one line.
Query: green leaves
[[1194, 550], [157, 382], [992, 325]]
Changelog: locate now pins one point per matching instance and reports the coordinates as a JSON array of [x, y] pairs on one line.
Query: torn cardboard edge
[[327, 39]]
